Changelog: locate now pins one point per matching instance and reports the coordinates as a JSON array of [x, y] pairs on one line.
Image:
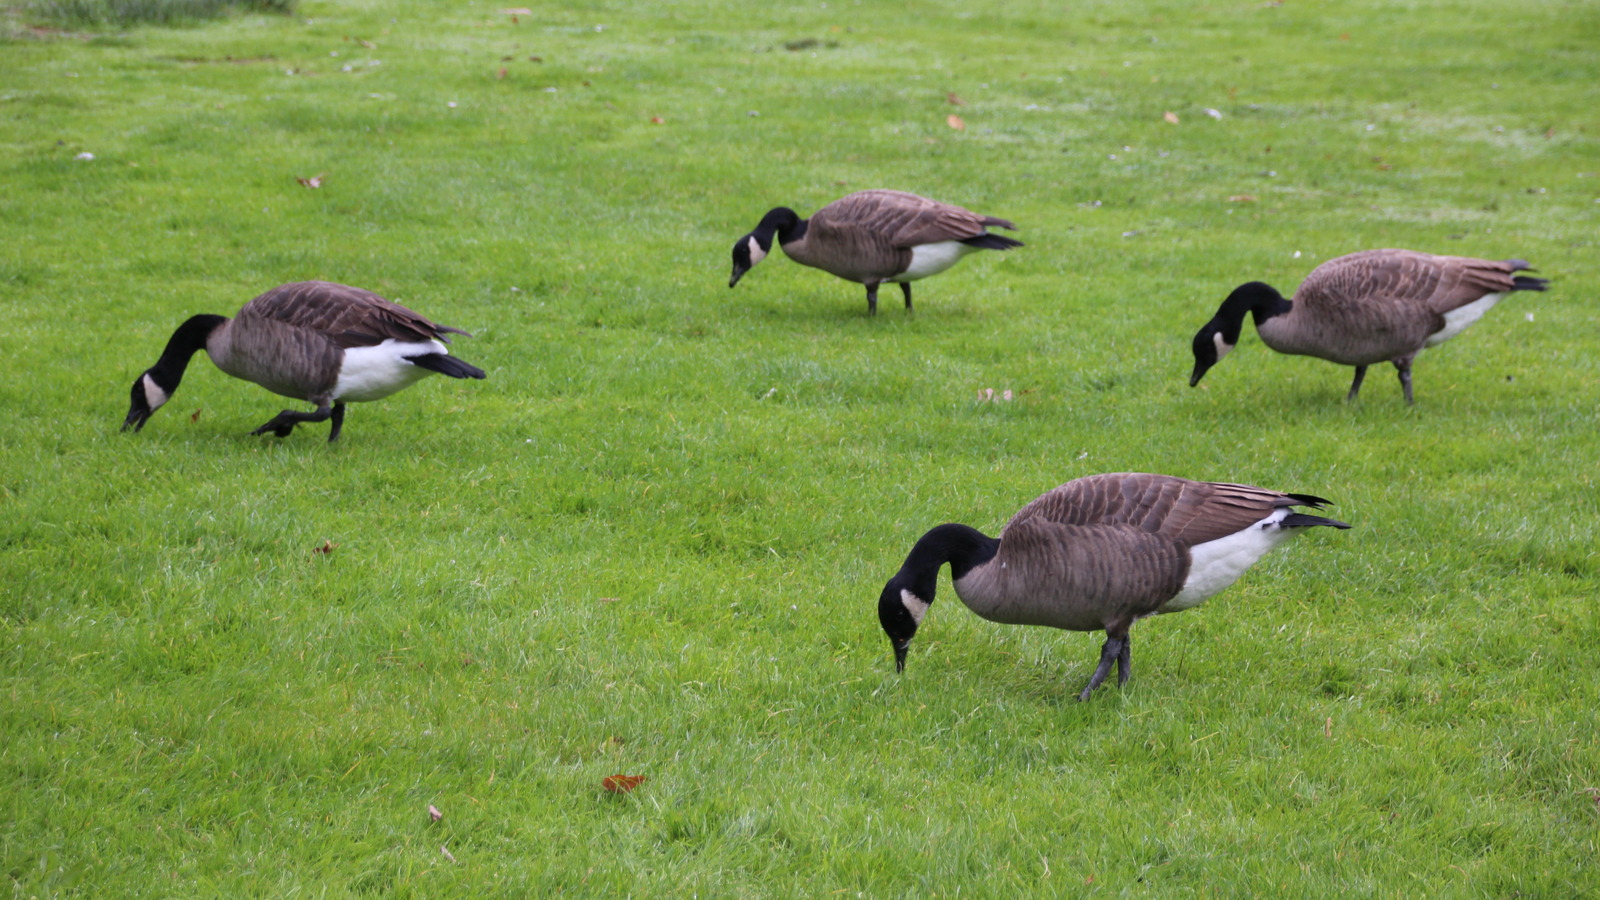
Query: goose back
[[1380, 305], [869, 236], [1109, 549], [292, 339]]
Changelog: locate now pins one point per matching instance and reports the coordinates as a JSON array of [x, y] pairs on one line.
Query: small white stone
[[85, 155]]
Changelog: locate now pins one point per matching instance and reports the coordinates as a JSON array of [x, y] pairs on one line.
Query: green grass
[[137, 12], [651, 543]]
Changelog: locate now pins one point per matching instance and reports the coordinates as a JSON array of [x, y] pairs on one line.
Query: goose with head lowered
[[1098, 553], [1368, 307], [871, 237], [317, 341]]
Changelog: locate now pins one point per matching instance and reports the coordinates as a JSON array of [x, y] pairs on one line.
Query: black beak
[[738, 273], [1199, 373], [900, 656], [137, 416]]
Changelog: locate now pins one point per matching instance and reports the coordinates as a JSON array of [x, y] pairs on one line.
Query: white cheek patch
[[1223, 347], [914, 605], [153, 394], [756, 253]]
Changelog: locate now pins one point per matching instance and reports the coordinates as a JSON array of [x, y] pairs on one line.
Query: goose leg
[[284, 422], [1355, 386], [1125, 661], [1405, 378], [338, 422], [1111, 651], [905, 288], [872, 298]]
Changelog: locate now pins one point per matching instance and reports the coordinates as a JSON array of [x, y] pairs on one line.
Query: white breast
[[1457, 320], [931, 259], [1216, 564], [372, 373]]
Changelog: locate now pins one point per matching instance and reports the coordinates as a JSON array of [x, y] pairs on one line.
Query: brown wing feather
[[1408, 279], [903, 220], [1189, 512], [349, 316]]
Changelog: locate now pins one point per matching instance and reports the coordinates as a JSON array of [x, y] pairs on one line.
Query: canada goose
[[1100, 552], [317, 341], [874, 236], [1366, 308]]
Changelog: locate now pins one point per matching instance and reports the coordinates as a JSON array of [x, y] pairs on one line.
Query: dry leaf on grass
[[1241, 198], [621, 784], [327, 547], [953, 100], [502, 73], [1170, 116], [433, 813], [656, 120], [313, 182], [195, 416], [954, 121]]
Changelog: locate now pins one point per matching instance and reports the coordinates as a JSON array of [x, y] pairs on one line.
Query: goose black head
[[148, 396], [1221, 334], [748, 251], [1210, 346], [153, 388], [900, 610]]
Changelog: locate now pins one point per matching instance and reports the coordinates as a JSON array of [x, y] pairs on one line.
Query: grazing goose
[[1368, 307], [1099, 552], [317, 341], [874, 236]]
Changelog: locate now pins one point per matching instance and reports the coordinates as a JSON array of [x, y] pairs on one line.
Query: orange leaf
[[954, 121], [1171, 117], [621, 784], [656, 120], [501, 73]]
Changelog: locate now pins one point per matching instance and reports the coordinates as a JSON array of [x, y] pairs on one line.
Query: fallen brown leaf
[[656, 120], [195, 416], [953, 100], [313, 182], [1171, 117], [1241, 198], [621, 784], [327, 547], [501, 74], [954, 121]]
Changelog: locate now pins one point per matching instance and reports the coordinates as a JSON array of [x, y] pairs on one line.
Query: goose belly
[[372, 373], [1216, 564], [931, 259], [1459, 319]]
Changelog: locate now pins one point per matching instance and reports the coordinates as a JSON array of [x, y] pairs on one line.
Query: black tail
[[1524, 283], [991, 242], [1309, 500], [445, 364], [1301, 520]]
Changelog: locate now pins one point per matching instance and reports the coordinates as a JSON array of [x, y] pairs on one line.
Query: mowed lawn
[[651, 543]]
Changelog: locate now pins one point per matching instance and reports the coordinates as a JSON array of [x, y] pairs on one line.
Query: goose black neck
[[783, 222], [1259, 299], [189, 337], [962, 547]]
